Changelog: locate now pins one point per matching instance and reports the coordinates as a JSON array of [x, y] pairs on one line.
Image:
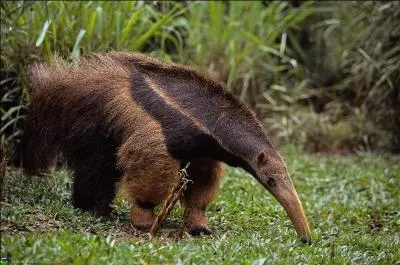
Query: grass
[[352, 204]]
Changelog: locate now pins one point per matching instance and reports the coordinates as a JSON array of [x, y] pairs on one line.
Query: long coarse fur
[[130, 118]]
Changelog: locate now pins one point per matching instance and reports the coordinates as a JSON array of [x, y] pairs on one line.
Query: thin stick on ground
[[171, 200]]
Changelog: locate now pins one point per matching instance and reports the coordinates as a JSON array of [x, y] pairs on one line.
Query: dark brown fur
[[129, 119]]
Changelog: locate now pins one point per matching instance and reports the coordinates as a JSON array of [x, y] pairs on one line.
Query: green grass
[[352, 204]]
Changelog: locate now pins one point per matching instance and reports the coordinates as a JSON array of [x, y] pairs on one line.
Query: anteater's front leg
[[206, 174], [147, 181]]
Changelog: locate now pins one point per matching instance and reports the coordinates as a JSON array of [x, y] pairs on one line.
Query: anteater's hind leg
[[95, 175], [94, 188], [206, 174], [150, 173]]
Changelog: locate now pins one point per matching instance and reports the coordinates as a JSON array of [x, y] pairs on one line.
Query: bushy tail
[[38, 76], [42, 75], [38, 144]]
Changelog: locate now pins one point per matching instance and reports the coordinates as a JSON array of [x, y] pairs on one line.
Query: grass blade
[[153, 29], [42, 34], [76, 49]]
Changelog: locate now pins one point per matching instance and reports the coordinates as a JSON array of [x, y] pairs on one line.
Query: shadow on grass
[[31, 204]]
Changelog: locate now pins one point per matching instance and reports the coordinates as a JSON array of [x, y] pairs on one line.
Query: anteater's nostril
[[306, 240], [271, 182]]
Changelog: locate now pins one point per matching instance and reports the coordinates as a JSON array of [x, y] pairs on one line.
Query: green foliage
[[374, 71], [351, 203], [352, 59], [244, 44], [69, 27], [317, 74], [36, 31]]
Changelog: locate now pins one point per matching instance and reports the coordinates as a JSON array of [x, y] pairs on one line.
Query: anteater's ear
[[262, 158]]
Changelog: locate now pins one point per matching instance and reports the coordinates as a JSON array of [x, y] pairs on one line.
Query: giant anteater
[[127, 119]]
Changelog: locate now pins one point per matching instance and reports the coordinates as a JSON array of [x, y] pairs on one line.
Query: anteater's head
[[271, 171]]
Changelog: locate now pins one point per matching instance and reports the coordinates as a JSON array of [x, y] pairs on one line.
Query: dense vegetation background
[[324, 76]]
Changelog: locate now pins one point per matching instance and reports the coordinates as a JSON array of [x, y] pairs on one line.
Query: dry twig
[[171, 200]]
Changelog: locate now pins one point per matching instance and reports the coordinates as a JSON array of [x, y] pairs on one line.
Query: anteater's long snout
[[283, 190]]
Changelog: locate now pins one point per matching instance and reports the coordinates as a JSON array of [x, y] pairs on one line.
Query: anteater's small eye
[[262, 158]]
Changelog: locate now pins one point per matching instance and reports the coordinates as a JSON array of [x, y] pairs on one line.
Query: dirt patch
[[41, 222], [375, 223]]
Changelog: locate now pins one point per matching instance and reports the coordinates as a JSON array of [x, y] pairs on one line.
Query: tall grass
[[248, 54], [324, 75], [244, 44], [352, 63], [35, 31]]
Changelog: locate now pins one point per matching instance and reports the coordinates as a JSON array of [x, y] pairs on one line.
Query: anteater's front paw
[[142, 219], [143, 227], [199, 230]]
